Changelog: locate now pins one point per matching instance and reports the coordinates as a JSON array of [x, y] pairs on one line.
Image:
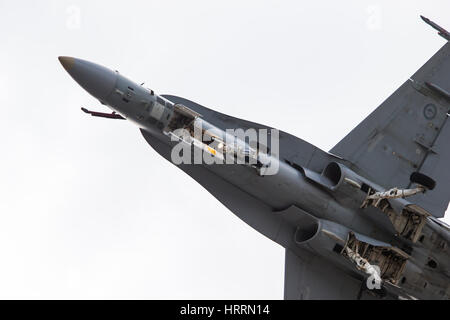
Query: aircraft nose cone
[[94, 78], [67, 62]]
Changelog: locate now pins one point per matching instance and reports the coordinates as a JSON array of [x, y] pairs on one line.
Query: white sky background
[[89, 210]]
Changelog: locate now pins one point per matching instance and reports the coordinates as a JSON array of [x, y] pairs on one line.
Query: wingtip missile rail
[[441, 31], [112, 115]]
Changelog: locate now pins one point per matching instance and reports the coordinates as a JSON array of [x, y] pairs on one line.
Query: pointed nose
[[67, 62], [94, 78]]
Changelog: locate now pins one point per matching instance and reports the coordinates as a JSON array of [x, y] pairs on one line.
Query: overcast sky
[[89, 210]]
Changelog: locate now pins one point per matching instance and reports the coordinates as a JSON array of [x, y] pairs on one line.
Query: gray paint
[[406, 134], [383, 149]]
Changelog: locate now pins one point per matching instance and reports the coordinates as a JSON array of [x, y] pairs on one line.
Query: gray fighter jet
[[358, 222]]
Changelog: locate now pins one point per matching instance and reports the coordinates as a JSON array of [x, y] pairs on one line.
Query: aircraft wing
[[309, 277], [408, 132], [243, 205]]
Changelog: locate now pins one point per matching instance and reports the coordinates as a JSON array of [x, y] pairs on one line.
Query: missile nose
[[94, 78]]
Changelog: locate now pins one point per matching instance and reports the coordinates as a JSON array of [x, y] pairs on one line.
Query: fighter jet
[[357, 222]]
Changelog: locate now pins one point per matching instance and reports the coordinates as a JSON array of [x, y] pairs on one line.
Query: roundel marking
[[430, 111]]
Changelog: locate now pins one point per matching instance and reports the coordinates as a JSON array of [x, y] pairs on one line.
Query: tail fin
[[408, 133]]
